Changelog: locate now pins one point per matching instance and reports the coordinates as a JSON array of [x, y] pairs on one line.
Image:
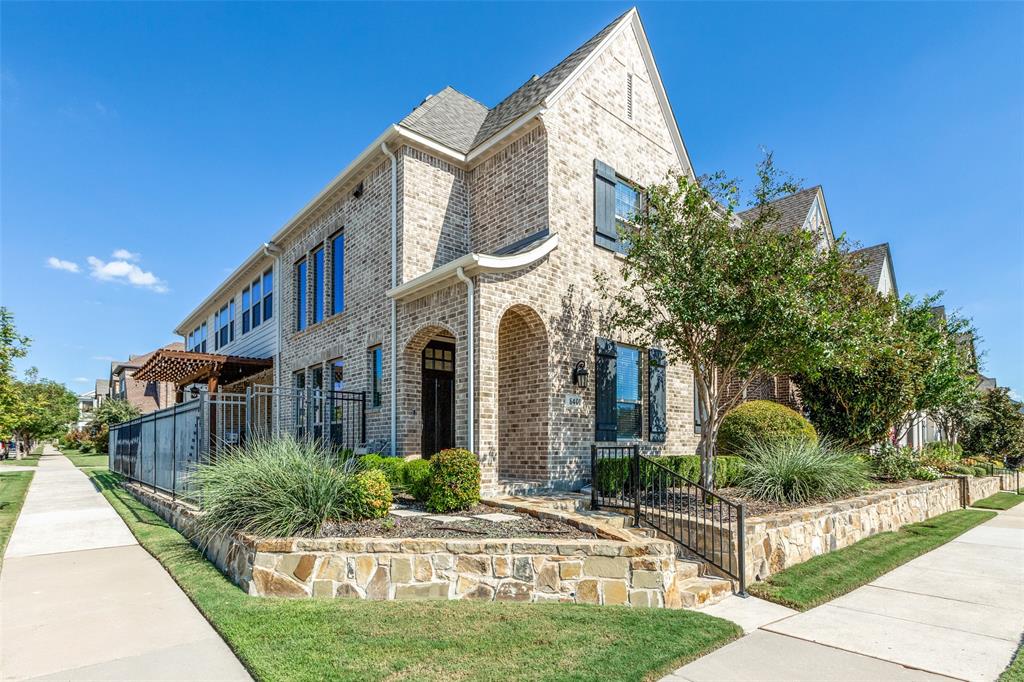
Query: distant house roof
[[872, 260], [449, 117], [136, 361], [791, 211], [102, 386]]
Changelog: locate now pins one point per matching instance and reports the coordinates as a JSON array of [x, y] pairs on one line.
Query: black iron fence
[[706, 524], [160, 448]]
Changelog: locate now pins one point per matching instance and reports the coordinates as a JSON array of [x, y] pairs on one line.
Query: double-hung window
[[628, 397], [337, 273], [300, 295], [256, 317], [627, 204], [268, 295], [617, 202], [626, 377], [246, 304], [318, 286], [222, 324]]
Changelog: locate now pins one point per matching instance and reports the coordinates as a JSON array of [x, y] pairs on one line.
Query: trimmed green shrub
[[613, 474], [759, 421], [892, 463], [274, 488], [454, 481], [941, 456], [926, 473], [370, 497], [416, 479], [373, 461], [798, 470]]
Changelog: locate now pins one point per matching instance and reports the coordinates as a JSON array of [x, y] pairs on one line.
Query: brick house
[[147, 396], [448, 272]]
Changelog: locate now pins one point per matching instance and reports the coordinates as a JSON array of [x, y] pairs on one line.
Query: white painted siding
[[885, 284]]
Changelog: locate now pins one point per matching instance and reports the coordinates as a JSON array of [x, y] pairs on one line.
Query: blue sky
[[179, 136]]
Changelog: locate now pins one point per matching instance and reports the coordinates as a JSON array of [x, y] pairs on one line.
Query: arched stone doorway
[[524, 389], [429, 393]]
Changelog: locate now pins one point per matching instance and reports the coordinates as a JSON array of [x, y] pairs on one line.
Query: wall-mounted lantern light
[[579, 375]]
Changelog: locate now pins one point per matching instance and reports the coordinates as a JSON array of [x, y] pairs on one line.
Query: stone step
[[688, 569], [696, 593]]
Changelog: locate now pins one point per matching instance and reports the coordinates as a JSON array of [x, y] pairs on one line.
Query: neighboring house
[[448, 272], [148, 396], [875, 264], [86, 406]]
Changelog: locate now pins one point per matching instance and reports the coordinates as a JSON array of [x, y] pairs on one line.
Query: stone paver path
[[956, 612], [81, 600]]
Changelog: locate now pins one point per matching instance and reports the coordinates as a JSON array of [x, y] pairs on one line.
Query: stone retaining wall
[[778, 541], [641, 572]]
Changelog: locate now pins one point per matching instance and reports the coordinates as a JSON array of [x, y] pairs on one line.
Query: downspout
[[394, 303], [272, 249], [461, 274]]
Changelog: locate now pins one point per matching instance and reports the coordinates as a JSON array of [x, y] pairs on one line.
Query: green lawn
[[30, 460], [1001, 501], [281, 639], [1015, 673], [831, 575], [86, 460], [13, 486]]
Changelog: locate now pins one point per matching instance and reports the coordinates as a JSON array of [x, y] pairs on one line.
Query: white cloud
[[80, 380], [125, 254], [58, 264], [122, 271]]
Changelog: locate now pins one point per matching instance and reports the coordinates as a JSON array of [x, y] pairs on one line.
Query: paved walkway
[[81, 600], [956, 612]]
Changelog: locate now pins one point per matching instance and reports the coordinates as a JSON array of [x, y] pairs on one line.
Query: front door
[[438, 368]]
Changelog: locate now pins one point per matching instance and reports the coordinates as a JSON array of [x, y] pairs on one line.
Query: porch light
[[579, 375]]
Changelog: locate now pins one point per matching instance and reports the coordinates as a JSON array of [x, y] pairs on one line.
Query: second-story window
[[202, 338], [300, 295], [256, 317], [338, 279], [268, 295], [318, 286], [222, 323], [246, 303]]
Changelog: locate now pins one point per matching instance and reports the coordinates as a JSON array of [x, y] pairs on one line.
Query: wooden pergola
[[183, 368]]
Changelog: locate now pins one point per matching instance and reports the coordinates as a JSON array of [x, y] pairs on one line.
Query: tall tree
[[12, 346], [732, 298], [49, 408], [999, 429]]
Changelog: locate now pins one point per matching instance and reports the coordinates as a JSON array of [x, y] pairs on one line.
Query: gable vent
[[629, 96]]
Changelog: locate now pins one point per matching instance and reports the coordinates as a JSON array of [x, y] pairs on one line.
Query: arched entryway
[[429, 393], [523, 395]]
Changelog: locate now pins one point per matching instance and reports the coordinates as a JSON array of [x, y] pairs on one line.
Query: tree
[[108, 414], [12, 346], [999, 430], [914, 362], [48, 408], [732, 298]]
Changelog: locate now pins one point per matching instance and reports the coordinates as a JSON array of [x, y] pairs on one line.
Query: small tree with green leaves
[[48, 408], [108, 414], [12, 346], [999, 429], [732, 298]]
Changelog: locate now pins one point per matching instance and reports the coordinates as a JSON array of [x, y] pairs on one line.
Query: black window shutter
[[605, 233], [606, 419], [658, 423]]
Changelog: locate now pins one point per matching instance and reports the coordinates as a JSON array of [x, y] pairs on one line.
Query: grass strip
[[831, 575], [84, 460], [1015, 671], [13, 488], [29, 460], [343, 639], [1001, 501]]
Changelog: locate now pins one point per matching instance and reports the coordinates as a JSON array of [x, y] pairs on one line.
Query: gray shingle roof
[[462, 123], [872, 260], [791, 211]]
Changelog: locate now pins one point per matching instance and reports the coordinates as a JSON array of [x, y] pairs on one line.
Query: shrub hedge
[[760, 421], [454, 481], [613, 474], [416, 479], [370, 497]]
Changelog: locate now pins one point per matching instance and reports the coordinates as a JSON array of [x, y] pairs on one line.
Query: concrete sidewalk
[[956, 612], [80, 599]]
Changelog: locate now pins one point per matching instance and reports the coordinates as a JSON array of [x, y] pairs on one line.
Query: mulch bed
[[391, 526]]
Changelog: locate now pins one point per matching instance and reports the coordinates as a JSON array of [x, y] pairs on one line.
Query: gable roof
[[136, 361], [791, 210], [872, 260], [464, 124], [102, 386]]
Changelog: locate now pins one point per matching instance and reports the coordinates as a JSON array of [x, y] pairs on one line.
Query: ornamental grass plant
[[797, 470], [281, 487]]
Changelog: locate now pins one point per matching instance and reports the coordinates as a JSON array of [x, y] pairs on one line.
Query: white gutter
[[461, 274], [471, 264], [394, 303]]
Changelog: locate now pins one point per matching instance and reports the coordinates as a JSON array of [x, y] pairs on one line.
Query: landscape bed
[[310, 639]]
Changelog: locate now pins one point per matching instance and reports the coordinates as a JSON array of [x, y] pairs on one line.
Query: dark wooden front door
[[438, 368]]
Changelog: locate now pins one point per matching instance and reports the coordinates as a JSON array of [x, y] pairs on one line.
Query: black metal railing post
[[636, 485], [362, 420], [741, 547], [593, 477]]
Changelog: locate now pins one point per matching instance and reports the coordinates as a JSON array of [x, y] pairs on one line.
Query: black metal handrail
[[702, 521]]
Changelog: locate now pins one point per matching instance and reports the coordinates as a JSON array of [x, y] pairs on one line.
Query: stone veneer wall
[[779, 541], [637, 572]]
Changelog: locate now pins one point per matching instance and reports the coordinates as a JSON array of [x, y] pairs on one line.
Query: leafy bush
[[892, 463], [926, 473], [613, 474], [393, 468], [416, 479], [370, 497], [454, 481], [760, 421], [370, 461], [941, 456], [274, 488], [798, 470]]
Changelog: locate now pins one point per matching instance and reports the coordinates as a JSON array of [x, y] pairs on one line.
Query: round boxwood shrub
[[370, 495], [416, 479], [454, 481], [761, 421]]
